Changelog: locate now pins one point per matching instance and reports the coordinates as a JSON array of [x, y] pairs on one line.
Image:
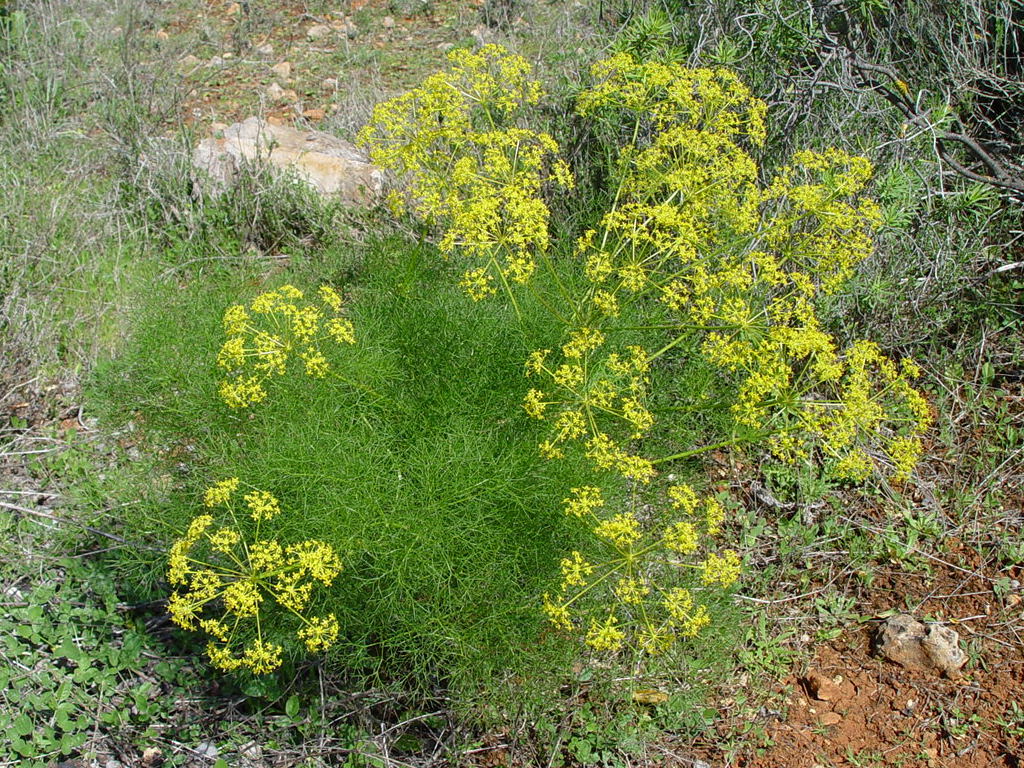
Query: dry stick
[[62, 521], [896, 96]]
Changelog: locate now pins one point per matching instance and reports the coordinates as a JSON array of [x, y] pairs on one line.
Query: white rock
[[913, 645], [275, 92], [318, 32], [264, 50], [251, 751], [328, 164], [482, 35], [282, 70], [216, 61], [207, 749]]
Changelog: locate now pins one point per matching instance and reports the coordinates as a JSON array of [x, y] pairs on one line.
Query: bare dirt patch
[[871, 712]]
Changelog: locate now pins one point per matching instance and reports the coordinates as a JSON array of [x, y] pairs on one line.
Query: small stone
[[207, 749], [830, 718], [113, 764], [264, 50], [329, 84], [318, 32], [387, 22], [283, 70], [189, 62], [151, 756], [821, 687], [314, 114], [215, 61], [909, 643], [275, 91], [700, 764], [346, 27], [482, 35], [251, 751]]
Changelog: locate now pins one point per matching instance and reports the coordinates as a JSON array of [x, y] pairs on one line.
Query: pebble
[[821, 687], [282, 70], [830, 718], [207, 749], [318, 32]]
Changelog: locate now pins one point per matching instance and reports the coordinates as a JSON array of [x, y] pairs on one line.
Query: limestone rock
[[328, 164], [912, 645], [282, 69], [318, 32]]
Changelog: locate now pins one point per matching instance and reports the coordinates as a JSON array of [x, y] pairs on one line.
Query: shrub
[[457, 497]]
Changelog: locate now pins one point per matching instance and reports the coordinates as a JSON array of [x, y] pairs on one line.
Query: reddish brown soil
[[879, 714]]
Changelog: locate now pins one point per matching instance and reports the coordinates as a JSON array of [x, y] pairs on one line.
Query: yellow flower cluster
[[590, 389], [634, 574], [225, 580], [740, 265], [469, 167], [272, 330]]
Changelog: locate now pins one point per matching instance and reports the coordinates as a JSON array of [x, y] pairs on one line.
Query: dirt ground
[[873, 712]]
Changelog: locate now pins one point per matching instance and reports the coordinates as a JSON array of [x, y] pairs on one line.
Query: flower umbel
[[276, 328], [228, 578]]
